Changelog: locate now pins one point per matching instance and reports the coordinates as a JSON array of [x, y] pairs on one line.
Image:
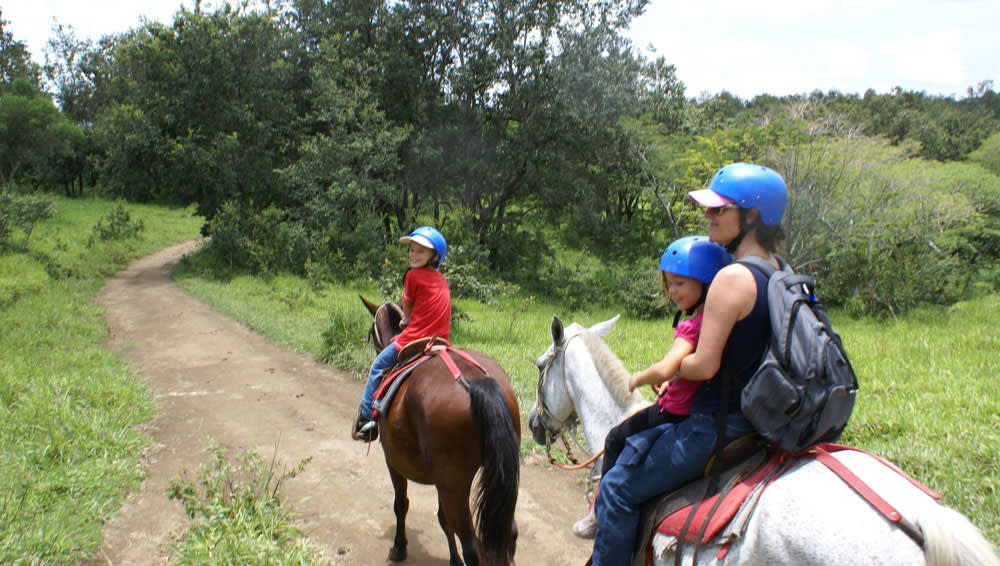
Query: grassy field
[[929, 400]]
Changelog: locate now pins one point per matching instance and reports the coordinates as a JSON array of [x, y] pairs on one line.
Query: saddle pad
[[732, 499]]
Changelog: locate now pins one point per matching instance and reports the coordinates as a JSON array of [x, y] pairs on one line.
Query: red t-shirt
[[680, 394], [427, 290]]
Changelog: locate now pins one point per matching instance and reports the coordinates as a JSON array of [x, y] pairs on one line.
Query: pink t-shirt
[[679, 395], [427, 290]]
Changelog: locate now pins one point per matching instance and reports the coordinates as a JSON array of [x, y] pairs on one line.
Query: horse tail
[[950, 538], [496, 490]]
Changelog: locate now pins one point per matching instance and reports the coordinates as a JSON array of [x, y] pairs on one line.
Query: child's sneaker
[[587, 526]]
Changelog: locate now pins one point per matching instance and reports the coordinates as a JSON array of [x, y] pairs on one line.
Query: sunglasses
[[717, 210]]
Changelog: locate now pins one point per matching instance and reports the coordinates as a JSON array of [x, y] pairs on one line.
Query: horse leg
[[453, 511], [400, 506], [449, 535]]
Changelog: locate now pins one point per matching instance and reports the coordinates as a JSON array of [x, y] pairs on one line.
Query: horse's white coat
[[808, 516], [578, 358]]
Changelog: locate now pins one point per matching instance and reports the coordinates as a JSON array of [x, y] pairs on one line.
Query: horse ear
[[602, 328], [369, 305], [557, 330]]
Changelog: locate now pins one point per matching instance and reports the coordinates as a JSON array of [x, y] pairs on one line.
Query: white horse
[[807, 516]]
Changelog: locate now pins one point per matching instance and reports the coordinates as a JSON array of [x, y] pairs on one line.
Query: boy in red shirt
[[426, 305]]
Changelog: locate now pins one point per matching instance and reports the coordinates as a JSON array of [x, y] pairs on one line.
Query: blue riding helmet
[[749, 186], [696, 257], [428, 237]]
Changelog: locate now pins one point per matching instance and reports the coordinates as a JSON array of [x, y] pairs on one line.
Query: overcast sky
[[779, 47]]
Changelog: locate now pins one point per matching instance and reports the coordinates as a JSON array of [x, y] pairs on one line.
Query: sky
[[777, 47]]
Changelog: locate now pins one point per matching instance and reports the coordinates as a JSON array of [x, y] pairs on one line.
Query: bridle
[[544, 415]]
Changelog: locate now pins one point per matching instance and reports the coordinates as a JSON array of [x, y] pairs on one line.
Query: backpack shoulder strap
[[762, 264]]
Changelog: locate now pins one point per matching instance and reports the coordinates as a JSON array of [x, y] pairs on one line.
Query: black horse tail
[[496, 491]]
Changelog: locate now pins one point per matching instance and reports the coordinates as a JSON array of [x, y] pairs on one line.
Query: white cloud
[[932, 57], [844, 60]]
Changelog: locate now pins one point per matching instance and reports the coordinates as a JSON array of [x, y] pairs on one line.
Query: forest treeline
[[554, 155]]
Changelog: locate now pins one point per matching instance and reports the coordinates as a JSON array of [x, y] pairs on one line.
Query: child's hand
[[404, 322], [661, 388], [633, 382]]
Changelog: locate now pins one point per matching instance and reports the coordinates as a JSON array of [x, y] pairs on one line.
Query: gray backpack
[[803, 391]]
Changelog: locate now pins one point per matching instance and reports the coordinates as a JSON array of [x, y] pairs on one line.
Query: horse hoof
[[397, 554]]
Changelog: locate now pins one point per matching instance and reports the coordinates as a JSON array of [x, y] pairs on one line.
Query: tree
[[32, 129], [209, 103], [15, 61]]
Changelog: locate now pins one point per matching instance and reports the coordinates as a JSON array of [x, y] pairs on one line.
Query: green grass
[[68, 407], [929, 399]]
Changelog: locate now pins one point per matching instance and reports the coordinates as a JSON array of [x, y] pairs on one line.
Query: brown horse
[[441, 431]]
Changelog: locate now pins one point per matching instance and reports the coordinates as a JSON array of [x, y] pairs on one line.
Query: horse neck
[[597, 406]]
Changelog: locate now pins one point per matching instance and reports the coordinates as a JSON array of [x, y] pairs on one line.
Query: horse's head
[[385, 323], [555, 407]]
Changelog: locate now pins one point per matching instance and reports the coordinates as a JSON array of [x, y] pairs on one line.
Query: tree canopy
[[311, 133]]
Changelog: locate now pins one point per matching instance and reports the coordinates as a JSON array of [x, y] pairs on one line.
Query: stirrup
[[364, 430]]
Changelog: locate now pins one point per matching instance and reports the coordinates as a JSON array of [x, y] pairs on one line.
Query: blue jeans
[[676, 453], [384, 360]]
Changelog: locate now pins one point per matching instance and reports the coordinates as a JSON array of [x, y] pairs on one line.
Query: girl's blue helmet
[[428, 237], [696, 257], [749, 186]]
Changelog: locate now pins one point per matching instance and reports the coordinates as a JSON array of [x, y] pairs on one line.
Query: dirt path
[[214, 378]]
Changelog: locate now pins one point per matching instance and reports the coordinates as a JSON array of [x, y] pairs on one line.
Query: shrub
[[22, 213], [117, 225]]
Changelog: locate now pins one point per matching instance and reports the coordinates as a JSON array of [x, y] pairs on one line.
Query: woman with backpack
[[744, 205]]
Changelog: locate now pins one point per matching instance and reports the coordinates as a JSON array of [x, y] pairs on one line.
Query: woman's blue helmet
[[696, 257], [749, 186], [428, 237]]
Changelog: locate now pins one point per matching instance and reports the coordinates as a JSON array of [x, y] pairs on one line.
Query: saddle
[[411, 356]]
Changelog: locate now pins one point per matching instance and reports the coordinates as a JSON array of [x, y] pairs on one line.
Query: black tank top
[[740, 357]]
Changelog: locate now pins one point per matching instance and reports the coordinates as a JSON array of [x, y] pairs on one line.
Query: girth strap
[[820, 453]]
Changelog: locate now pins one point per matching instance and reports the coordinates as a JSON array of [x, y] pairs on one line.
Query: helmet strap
[[745, 228], [690, 311]]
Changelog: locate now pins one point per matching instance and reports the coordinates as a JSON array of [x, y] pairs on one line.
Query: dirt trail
[[214, 378]]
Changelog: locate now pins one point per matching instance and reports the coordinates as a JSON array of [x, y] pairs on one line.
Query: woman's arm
[[731, 297], [664, 369]]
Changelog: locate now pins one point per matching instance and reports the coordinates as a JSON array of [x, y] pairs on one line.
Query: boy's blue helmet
[[428, 237], [749, 186], [696, 257]]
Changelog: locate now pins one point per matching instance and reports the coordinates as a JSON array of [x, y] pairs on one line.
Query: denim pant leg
[[676, 457], [384, 360]]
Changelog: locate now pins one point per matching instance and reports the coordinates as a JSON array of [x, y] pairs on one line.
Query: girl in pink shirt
[[687, 267]]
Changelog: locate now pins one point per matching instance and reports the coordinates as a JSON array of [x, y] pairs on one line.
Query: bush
[[118, 225], [22, 213], [237, 512], [468, 274]]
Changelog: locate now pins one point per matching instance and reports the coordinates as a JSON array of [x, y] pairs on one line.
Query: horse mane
[[609, 366]]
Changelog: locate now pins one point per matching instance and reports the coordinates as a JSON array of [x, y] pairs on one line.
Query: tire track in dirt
[[214, 378]]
